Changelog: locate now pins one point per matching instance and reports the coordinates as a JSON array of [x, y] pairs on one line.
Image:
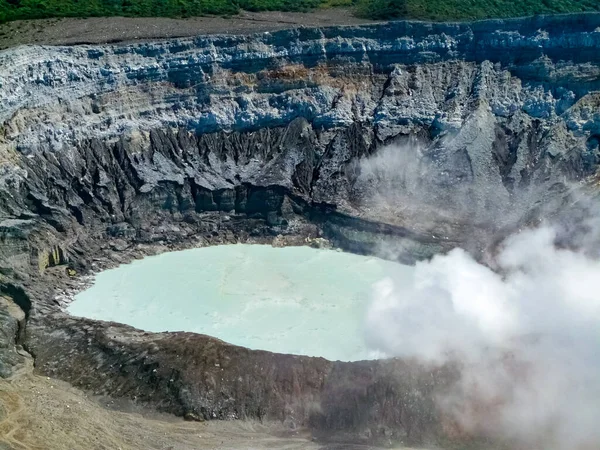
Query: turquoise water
[[295, 300]]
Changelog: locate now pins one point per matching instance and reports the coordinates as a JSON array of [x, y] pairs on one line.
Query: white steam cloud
[[527, 336]]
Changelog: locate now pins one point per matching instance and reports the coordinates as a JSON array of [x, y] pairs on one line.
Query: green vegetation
[[375, 9], [486, 9], [382, 9], [37, 9]]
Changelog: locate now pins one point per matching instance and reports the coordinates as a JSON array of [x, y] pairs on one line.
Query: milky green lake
[[296, 300]]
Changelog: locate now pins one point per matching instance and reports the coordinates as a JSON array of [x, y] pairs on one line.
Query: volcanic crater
[[400, 140]]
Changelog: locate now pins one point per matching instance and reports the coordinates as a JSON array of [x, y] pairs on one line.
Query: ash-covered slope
[[422, 136]]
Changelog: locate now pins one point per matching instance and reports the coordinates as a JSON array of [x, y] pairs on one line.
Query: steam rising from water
[[527, 336]]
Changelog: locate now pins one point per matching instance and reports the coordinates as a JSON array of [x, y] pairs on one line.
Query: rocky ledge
[[409, 137]]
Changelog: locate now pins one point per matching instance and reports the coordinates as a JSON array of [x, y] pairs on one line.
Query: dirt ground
[[98, 30], [39, 413]]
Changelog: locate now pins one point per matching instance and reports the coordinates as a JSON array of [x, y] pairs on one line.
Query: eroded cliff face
[[412, 137], [97, 136]]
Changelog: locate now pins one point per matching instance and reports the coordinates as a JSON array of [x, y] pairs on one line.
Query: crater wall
[[413, 137]]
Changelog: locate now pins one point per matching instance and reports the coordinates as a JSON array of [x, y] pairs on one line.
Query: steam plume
[[526, 333]]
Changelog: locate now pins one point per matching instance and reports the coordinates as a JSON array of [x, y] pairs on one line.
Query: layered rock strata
[[411, 138]]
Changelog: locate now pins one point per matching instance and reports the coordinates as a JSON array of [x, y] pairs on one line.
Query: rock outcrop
[[412, 137]]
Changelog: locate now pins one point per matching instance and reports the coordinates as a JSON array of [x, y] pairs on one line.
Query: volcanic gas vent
[[295, 300]]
